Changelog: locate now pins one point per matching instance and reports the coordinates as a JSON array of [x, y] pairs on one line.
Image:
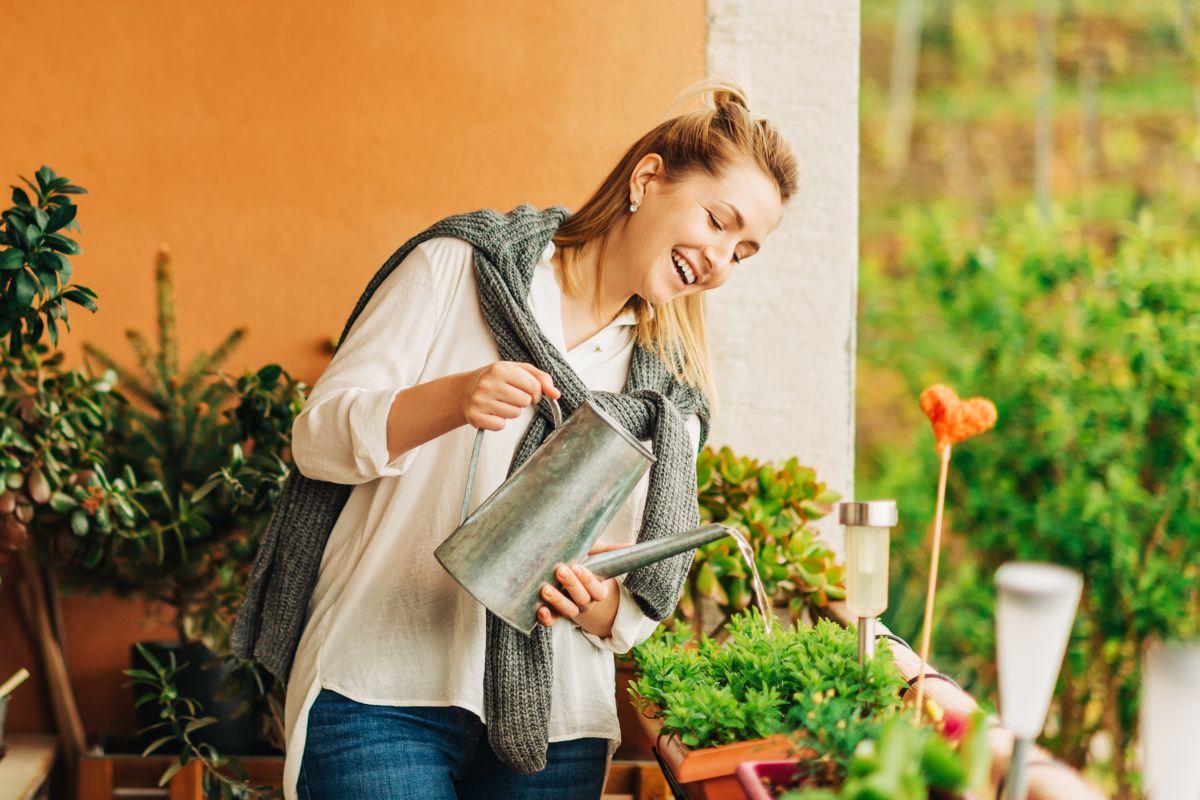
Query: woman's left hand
[[587, 600]]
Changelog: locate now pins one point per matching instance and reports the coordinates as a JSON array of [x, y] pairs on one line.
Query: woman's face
[[688, 236]]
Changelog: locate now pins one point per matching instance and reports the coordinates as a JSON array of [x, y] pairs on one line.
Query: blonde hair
[[706, 141]]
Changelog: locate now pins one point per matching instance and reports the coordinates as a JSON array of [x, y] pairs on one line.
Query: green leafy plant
[[757, 683], [772, 506], [53, 426], [911, 762], [218, 450], [1089, 352], [54, 421], [180, 721], [35, 268]]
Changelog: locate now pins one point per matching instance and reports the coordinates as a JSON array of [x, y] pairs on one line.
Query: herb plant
[[754, 684]]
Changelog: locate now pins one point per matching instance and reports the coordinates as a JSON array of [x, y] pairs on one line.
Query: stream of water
[[760, 593]]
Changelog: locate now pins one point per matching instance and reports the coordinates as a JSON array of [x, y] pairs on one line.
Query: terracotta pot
[[635, 744], [710, 773]]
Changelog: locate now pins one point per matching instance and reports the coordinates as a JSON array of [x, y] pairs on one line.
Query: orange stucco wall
[[283, 150]]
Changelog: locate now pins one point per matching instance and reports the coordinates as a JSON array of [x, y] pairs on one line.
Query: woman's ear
[[648, 169]]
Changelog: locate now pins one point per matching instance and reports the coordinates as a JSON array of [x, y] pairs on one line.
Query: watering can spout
[[617, 562]]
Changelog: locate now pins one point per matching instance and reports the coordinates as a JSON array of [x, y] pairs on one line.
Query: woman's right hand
[[499, 391]]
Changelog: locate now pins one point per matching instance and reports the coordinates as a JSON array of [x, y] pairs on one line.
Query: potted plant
[[217, 450], [53, 420], [904, 762], [760, 694], [772, 505]]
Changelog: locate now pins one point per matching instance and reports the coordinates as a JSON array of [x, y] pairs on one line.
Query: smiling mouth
[[683, 269]]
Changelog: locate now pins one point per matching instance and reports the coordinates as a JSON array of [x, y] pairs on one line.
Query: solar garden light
[[1171, 720], [868, 531], [1034, 613]]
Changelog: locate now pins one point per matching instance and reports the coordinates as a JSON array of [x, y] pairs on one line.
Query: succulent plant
[[772, 505]]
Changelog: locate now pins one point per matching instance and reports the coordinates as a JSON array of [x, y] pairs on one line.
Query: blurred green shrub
[[1089, 353]]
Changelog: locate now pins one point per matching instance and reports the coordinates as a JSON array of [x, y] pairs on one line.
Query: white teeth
[[685, 270]]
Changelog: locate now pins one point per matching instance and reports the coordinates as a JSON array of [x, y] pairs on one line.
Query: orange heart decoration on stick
[[954, 419]]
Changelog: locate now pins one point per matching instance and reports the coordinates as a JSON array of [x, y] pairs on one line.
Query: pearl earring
[[633, 206]]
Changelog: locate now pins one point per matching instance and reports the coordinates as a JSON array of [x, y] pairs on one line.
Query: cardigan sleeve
[[631, 626], [340, 436]]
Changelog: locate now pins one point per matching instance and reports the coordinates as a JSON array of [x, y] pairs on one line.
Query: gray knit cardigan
[[653, 405]]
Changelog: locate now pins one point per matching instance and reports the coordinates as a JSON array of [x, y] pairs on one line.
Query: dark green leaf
[[12, 259], [62, 244], [60, 217], [45, 176], [26, 288]]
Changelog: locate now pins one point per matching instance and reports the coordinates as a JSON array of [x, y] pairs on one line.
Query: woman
[[402, 685]]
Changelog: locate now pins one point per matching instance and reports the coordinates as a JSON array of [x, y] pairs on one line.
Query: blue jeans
[[355, 751]]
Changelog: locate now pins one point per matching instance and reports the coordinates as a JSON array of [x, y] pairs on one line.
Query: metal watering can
[[550, 512]]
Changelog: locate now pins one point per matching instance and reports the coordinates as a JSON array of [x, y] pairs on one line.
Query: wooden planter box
[[710, 773], [104, 776]]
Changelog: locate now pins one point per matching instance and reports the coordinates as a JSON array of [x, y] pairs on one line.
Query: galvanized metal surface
[[548, 512], [627, 559]]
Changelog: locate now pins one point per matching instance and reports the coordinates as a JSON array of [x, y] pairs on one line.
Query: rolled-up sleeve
[[631, 626], [341, 434]]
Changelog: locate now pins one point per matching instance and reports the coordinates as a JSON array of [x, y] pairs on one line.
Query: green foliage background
[[1084, 328]]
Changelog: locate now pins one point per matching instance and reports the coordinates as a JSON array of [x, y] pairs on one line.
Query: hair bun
[[727, 96]]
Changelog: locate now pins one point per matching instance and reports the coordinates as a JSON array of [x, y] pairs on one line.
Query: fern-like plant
[[184, 427]]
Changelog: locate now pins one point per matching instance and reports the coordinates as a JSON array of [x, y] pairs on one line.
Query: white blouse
[[387, 625]]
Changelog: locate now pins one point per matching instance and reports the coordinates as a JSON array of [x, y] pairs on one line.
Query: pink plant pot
[[751, 774]]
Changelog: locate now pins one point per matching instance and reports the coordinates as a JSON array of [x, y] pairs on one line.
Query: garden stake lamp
[[13, 682], [1034, 613], [868, 529], [953, 421], [1171, 720]]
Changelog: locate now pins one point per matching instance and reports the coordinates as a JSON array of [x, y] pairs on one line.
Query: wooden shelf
[[103, 777], [24, 770]]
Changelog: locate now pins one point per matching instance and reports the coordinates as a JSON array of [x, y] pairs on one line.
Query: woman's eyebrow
[[741, 221]]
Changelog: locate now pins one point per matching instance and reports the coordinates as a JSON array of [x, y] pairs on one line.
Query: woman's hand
[[590, 602], [498, 392]]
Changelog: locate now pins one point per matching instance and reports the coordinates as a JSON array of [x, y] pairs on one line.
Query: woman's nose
[[720, 264]]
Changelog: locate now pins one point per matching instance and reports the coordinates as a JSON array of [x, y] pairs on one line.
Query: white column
[[783, 328]]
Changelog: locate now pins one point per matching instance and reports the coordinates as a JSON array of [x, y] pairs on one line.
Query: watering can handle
[[555, 416]]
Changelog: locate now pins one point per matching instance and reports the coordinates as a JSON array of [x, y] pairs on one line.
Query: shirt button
[[598, 349]]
